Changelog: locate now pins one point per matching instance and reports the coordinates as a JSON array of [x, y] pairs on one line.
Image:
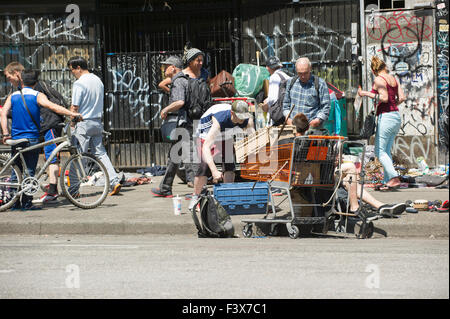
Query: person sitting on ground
[[350, 181], [218, 119]]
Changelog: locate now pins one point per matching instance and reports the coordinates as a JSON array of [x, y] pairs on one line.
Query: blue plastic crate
[[239, 199]]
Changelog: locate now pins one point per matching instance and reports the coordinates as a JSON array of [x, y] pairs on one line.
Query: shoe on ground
[[115, 189], [47, 198], [391, 210], [194, 200], [190, 184], [367, 215], [161, 193]]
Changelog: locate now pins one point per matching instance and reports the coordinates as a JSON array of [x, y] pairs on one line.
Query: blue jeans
[[387, 129], [31, 158], [88, 134]]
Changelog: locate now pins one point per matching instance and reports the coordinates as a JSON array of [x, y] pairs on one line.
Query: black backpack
[[52, 94], [50, 119], [198, 99], [212, 220], [276, 110]]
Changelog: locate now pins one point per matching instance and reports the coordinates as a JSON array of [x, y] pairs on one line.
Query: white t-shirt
[[87, 94], [274, 86]]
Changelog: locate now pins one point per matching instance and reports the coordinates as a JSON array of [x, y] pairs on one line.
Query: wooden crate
[[251, 144], [266, 136], [288, 132]]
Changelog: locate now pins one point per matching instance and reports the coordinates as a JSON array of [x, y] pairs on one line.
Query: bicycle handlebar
[[76, 119]]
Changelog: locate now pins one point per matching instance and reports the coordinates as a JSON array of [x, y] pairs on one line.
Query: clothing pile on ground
[[152, 171], [409, 177], [126, 179]]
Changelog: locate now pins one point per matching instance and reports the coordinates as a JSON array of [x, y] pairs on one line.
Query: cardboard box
[[298, 199], [306, 174]]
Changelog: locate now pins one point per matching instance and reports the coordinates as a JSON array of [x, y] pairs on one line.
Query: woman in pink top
[[389, 93]]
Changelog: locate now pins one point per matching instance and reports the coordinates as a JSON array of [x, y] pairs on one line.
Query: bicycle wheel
[[87, 182], [9, 188]]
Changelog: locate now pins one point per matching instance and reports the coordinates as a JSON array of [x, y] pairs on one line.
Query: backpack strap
[[317, 86], [293, 80], [281, 77], [28, 110]]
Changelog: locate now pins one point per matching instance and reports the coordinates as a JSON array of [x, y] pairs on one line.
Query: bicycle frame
[[63, 141]]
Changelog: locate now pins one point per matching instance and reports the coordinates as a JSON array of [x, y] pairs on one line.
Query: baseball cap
[[173, 60], [273, 62], [240, 108], [191, 54]]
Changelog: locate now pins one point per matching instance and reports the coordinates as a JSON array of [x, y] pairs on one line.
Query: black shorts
[[228, 164]]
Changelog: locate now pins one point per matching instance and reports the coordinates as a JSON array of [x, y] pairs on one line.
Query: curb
[[391, 230]]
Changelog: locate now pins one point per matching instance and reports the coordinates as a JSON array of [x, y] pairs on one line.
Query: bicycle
[[76, 179]]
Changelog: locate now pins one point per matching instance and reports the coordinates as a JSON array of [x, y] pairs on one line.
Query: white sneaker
[[193, 201], [47, 198]]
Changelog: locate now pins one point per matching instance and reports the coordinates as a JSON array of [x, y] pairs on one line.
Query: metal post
[[362, 19]]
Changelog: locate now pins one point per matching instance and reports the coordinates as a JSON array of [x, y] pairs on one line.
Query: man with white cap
[[273, 65], [218, 119]]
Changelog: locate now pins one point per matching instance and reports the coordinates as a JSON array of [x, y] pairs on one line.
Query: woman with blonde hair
[[389, 93]]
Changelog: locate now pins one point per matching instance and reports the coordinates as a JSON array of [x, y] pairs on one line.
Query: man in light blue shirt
[[303, 94], [87, 99]]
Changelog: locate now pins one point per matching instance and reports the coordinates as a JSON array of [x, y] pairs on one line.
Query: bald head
[[303, 68]]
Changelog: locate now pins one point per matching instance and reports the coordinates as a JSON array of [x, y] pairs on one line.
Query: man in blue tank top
[[26, 124]]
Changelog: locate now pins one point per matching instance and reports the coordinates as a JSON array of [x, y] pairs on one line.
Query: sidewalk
[[136, 211]]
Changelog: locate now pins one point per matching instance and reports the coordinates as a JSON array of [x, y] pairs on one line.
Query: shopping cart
[[308, 162]]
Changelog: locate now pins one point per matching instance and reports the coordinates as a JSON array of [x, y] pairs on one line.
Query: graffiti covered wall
[[442, 71], [404, 40], [45, 43], [320, 31]]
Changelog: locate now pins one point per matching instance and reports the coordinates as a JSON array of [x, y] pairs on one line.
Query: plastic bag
[[249, 79]]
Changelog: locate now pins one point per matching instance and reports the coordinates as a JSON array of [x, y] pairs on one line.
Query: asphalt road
[[185, 267]]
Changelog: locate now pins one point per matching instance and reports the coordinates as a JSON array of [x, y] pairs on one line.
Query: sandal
[[392, 210], [385, 188], [444, 207]]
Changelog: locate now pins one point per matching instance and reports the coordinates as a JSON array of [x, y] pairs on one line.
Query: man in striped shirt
[[214, 133], [315, 104]]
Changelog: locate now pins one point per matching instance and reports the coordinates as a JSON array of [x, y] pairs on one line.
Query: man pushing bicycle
[[25, 111]]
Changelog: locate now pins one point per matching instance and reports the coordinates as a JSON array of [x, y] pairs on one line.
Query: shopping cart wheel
[[247, 231], [363, 230], [293, 231]]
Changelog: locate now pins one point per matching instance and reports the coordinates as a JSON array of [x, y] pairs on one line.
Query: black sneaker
[[367, 215], [161, 193]]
